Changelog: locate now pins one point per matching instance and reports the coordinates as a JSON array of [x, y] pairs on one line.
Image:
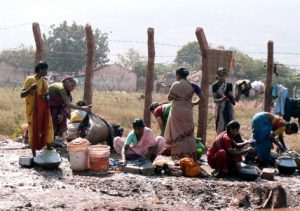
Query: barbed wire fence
[[112, 103]]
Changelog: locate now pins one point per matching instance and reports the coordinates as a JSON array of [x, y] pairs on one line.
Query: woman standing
[[179, 133], [224, 101], [40, 127], [61, 104]]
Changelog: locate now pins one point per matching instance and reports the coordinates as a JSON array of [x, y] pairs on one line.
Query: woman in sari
[[140, 143], [225, 155], [40, 129], [224, 101], [179, 133], [61, 104], [161, 113], [265, 128]]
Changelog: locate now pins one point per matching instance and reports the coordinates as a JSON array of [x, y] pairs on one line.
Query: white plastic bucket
[[99, 158], [78, 154]]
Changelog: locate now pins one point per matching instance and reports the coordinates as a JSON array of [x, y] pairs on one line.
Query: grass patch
[[122, 107]]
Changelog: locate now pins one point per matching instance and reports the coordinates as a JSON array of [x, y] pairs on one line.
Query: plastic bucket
[[78, 154], [99, 158]]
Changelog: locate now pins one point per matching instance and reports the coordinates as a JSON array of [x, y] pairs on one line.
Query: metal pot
[[48, 159], [49, 166], [286, 165], [26, 161], [294, 155], [248, 173]]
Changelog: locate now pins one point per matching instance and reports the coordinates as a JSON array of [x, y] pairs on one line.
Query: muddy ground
[[61, 189]]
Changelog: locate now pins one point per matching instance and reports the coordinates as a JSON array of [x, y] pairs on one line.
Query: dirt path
[[36, 188]]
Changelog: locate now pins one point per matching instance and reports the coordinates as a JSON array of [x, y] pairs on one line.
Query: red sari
[[40, 122], [217, 155]]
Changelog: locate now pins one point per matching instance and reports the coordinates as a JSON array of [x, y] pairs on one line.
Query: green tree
[[161, 69], [66, 47], [287, 77], [133, 61], [21, 57], [248, 68], [189, 55]]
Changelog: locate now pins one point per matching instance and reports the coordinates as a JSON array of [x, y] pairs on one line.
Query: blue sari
[[261, 129]]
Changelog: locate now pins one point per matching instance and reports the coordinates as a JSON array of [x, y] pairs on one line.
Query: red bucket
[[99, 158]]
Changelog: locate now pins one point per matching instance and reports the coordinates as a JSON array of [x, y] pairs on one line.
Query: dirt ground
[[61, 189]]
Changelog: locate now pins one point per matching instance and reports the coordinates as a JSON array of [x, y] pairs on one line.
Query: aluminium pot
[[49, 166], [26, 161], [248, 173], [48, 159]]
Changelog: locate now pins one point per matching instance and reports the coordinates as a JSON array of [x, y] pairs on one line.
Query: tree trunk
[[40, 48], [203, 106], [268, 88], [149, 77], [90, 44]]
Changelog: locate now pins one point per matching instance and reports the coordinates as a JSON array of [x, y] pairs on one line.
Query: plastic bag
[[99, 131], [200, 148], [190, 168]]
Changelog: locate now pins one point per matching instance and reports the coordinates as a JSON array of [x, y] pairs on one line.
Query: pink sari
[[179, 134]]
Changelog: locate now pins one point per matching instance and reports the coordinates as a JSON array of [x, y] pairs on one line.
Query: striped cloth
[[219, 58]]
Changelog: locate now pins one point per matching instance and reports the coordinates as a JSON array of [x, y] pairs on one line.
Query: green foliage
[[66, 47], [248, 68], [189, 55], [245, 66], [16, 131], [133, 61], [161, 69], [287, 77], [22, 57]]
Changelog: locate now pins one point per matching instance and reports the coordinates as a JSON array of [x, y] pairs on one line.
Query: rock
[[276, 198], [242, 199], [28, 205]]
